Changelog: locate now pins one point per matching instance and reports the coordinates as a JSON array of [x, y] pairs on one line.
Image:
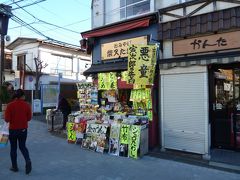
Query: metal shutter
[[184, 98]]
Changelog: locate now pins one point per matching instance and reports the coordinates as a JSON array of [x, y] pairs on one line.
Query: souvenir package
[[114, 139], [4, 134]]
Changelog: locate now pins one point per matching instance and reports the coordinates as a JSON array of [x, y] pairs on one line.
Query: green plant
[[5, 96]]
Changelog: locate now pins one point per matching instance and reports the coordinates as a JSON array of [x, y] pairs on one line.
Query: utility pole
[[5, 13], [2, 59]]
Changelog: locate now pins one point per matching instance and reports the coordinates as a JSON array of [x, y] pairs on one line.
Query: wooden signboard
[[119, 49], [216, 42]]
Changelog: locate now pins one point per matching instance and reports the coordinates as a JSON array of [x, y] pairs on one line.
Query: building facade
[[56, 59], [199, 76], [197, 79]]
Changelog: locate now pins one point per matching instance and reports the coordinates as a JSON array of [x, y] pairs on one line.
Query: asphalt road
[[53, 158]]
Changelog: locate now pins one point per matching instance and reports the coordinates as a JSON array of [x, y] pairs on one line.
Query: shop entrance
[[225, 102]]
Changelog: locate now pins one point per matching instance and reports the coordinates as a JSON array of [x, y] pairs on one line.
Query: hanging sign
[[107, 81], [119, 49], [112, 80], [134, 141], [141, 64], [102, 81]]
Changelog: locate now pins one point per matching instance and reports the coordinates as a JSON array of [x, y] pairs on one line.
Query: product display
[[111, 120]]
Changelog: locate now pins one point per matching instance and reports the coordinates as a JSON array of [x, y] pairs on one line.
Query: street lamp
[[5, 13]]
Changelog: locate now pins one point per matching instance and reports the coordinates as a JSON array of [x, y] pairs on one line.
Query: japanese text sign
[[96, 128], [124, 133], [134, 140], [119, 49], [71, 133], [107, 81], [216, 42], [141, 64]]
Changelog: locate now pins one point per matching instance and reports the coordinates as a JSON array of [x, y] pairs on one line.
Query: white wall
[[30, 50], [97, 13], [47, 53]]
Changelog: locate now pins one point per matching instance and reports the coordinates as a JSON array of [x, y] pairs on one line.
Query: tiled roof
[[213, 22]]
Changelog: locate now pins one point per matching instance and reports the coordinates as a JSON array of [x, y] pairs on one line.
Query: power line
[[28, 4], [45, 21]]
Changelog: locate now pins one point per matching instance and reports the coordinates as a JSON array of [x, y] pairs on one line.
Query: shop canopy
[[106, 67], [140, 22]]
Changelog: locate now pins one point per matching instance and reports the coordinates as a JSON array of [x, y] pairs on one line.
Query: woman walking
[[18, 113]]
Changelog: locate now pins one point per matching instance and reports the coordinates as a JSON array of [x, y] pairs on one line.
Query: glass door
[[226, 108], [223, 109], [236, 117]]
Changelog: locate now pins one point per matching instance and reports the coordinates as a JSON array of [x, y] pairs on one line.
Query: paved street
[[53, 158]]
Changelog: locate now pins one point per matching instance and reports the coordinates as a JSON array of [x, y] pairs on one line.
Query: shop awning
[[220, 58], [106, 67], [119, 27]]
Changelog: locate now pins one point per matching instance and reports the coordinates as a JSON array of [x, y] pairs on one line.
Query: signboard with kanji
[[141, 64], [107, 81], [134, 141], [119, 49], [216, 42]]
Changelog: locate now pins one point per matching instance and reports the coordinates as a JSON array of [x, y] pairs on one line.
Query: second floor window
[[123, 9], [61, 64], [21, 60], [8, 61]]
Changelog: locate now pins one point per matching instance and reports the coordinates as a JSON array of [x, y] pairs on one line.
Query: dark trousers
[[65, 120], [18, 136]]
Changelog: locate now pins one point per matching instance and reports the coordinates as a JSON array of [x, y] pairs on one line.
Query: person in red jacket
[[18, 113]]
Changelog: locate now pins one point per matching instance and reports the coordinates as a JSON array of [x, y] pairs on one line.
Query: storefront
[[200, 83], [119, 98]]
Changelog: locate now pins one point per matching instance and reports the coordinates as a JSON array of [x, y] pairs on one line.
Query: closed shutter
[[185, 111]]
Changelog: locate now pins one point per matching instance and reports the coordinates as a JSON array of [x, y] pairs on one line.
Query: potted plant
[[5, 95]]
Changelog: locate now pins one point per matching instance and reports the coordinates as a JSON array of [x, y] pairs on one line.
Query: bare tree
[[39, 67], [39, 64]]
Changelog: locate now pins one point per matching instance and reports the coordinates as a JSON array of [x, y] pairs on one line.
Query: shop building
[[108, 42], [199, 76]]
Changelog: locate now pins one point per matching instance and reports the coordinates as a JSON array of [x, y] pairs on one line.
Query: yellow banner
[[71, 133], [112, 80], [124, 133], [103, 81], [134, 141], [141, 65], [107, 81], [150, 115], [124, 75]]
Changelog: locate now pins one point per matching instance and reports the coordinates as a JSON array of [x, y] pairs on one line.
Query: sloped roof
[[21, 40], [24, 40]]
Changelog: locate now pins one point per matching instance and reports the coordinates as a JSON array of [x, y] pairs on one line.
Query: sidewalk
[[228, 161], [53, 158]]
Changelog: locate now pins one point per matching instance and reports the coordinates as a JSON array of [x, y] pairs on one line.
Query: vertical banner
[[103, 81], [141, 65], [124, 75], [112, 80], [107, 81], [114, 139], [134, 141], [71, 133], [124, 140]]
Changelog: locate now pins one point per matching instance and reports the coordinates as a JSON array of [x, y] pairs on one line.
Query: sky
[[49, 17]]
